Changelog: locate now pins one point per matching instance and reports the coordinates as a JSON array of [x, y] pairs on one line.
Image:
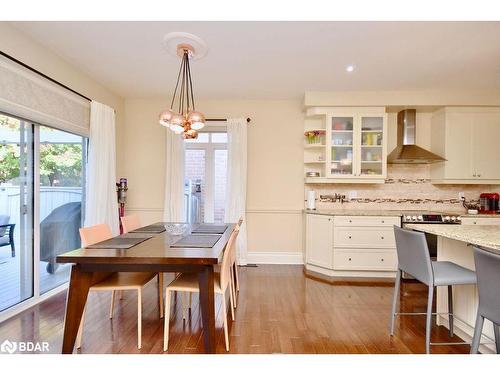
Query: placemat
[[198, 240], [210, 228], [118, 243], [153, 228]]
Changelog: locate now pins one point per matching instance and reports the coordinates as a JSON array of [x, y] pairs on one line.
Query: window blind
[[27, 95]]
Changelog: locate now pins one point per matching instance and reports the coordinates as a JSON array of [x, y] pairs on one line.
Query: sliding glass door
[[16, 211], [42, 180], [61, 193]]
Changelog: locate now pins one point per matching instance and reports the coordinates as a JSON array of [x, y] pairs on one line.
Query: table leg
[[79, 285], [207, 302]]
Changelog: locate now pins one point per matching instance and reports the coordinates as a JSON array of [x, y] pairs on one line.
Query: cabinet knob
[[382, 237], [383, 221], [479, 175], [475, 222], [330, 219], [350, 259], [350, 221], [474, 175], [382, 259], [349, 237]]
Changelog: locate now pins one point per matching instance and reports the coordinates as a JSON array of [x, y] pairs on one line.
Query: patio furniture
[[7, 234], [59, 233]]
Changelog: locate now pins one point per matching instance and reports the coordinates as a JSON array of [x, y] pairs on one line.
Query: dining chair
[[130, 223], [235, 282], [117, 281], [188, 282]]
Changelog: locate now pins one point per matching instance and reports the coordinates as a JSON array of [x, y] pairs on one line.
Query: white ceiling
[[254, 60]]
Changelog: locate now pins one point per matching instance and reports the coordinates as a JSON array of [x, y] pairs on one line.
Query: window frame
[[208, 195]]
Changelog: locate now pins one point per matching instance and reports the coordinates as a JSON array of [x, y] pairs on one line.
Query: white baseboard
[[274, 257]]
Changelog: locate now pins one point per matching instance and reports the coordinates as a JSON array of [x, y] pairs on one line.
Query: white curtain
[[236, 187], [173, 209], [101, 205]]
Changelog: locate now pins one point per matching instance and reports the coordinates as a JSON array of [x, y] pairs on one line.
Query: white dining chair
[[188, 282], [117, 281]]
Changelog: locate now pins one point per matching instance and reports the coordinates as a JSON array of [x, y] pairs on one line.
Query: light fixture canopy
[[187, 120]]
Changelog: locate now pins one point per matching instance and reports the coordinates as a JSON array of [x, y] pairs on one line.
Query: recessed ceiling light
[[349, 68]]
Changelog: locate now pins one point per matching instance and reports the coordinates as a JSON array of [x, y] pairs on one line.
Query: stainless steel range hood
[[406, 151]]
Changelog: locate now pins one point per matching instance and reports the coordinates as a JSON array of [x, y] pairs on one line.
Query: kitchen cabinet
[[480, 220], [467, 137], [351, 246], [319, 240], [355, 146]]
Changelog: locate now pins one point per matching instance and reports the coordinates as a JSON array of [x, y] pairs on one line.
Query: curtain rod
[[225, 119], [44, 75]]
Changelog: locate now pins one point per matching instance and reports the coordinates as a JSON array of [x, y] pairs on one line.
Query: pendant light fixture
[[186, 121]]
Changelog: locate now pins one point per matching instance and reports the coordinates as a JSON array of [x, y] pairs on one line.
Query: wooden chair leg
[[230, 300], [166, 322], [111, 308], [237, 277], [190, 299], [121, 294], [232, 283], [224, 315], [160, 293], [139, 318]]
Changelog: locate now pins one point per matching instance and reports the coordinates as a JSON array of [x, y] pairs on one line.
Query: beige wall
[[275, 188], [16, 44]]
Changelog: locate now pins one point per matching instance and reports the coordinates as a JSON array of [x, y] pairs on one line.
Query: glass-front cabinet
[[356, 146]]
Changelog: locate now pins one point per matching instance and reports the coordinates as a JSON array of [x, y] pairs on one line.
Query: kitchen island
[[454, 245]]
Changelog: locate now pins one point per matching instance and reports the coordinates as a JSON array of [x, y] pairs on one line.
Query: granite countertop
[[481, 235], [351, 212], [481, 215]]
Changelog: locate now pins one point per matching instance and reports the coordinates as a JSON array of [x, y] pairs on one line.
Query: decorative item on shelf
[[314, 136], [187, 121], [312, 174]]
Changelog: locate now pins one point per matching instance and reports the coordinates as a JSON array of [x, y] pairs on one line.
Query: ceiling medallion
[[186, 121]]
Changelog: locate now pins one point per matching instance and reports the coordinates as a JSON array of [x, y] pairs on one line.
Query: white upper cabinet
[[468, 139], [355, 145]]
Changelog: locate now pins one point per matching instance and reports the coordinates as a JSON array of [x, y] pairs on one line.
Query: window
[[205, 174], [42, 183]]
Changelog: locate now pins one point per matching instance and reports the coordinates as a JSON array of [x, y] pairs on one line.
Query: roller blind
[[27, 95]]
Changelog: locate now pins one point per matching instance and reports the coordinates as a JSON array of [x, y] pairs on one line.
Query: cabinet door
[[371, 152], [458, 146], [319, 240], [485, 145], [481, 220], [341, 138]]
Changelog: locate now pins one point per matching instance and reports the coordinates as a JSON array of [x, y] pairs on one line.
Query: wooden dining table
[[156, 254]]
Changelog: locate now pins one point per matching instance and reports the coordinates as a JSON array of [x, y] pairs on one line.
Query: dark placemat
[[153, 228], [118, 243], [210, 228], [198, 240], [136, 235]]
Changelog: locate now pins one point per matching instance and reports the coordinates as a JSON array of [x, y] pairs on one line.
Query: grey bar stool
[[488, 284], [414, 259]]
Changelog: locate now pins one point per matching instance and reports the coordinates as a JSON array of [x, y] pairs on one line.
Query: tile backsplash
[[407, 187]]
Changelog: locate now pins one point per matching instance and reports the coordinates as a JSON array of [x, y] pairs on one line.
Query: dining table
[[158, 253]]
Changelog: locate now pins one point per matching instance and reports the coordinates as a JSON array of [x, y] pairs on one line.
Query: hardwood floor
[[279, 311]]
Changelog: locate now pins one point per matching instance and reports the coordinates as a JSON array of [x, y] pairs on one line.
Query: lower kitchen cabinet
[[319, 241], [351, 246], [480, 220]]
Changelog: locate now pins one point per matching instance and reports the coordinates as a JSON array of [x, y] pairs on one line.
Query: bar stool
[[488, 282], [414, 259]]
